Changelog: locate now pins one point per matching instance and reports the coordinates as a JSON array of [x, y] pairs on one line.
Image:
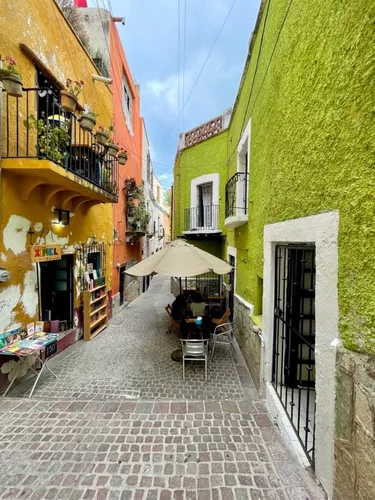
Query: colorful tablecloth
[[29, 345]]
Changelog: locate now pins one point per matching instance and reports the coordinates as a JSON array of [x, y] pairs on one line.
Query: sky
[[150, 39]]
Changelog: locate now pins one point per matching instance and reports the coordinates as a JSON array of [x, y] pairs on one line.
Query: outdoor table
[[33, 345]]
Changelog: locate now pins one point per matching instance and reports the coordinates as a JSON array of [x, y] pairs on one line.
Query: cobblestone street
[[119, 423]]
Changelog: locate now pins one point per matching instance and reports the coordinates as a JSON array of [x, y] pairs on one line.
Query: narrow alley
[[119, 423]]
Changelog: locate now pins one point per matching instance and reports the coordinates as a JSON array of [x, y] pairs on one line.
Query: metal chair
[[194, 350], [223, 334]]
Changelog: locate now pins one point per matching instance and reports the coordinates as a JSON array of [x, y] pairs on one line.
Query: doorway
[[122, 283], [205, 205], [293, 369], [56, 285], [232, 262]]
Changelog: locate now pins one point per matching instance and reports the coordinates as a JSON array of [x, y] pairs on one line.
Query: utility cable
[[199, 74]]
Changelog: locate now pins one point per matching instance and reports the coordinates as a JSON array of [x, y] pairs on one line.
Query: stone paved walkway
[[119, 423]]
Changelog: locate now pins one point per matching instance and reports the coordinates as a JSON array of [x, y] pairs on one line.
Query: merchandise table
[[33, 345]]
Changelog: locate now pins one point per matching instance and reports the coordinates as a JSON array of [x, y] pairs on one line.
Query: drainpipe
[[258, 332]]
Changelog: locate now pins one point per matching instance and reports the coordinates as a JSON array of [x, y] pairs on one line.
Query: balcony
[[203, 220], [236, 201], [46, 147]]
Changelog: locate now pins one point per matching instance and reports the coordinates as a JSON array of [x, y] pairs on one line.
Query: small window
[[127, 104], [148, 167]]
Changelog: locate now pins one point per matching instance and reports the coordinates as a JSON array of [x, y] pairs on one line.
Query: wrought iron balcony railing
[[203, 218], [236, 195], [37, 127]]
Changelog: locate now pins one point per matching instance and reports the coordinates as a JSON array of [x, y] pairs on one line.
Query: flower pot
[[69, 101], [12, 83], [87, 123], [122, 158], [101, 138], [112, 149]]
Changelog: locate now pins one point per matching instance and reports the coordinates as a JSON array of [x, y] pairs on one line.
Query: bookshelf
[[95, 311]]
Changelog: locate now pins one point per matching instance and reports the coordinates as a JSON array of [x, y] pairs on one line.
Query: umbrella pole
[[180, 286]]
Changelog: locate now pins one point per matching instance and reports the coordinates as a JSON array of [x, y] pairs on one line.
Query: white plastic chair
[[223, 334], [194, 350]]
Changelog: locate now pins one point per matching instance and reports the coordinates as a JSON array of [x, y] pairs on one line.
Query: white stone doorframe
[[322, 231]]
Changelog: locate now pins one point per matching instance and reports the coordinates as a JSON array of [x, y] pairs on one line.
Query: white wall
[[322, 231], [151, 244]]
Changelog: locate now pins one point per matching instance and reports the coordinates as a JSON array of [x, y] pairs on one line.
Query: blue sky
[[150, 39]]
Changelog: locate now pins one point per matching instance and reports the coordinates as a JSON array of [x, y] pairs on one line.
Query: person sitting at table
[[177, 307], [198, 306]]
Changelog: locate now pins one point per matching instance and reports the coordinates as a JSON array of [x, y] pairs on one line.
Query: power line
[[200, 72], [184, 65]]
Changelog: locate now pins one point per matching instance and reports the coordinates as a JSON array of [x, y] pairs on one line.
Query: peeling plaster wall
[[42, 27]]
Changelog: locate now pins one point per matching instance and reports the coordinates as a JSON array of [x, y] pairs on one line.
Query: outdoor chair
[[223, 334], [223, 319], [194, 350]]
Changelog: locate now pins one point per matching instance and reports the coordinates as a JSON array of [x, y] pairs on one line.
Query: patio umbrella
[[180, 259]]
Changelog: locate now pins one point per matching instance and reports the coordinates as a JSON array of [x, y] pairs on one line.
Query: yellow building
[[52, 170]]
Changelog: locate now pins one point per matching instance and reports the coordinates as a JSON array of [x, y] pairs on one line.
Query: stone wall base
[[355, 427], [248, 341]]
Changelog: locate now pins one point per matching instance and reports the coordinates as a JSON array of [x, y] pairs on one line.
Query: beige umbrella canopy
[[180, 259]]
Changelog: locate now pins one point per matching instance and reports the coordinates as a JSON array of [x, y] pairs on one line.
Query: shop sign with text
[[44, 253]]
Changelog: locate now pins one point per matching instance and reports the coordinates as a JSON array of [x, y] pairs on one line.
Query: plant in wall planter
[[132, 190], [69, 97], [11, 78], [102, 136], [88, 121], [122, 157], [113, 149]]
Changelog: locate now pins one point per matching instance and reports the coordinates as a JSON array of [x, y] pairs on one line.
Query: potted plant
[[88, 121], [69, 97], [52, 140], [101, 136], [132, 190], [11, 78], [113, 148], [122, 157]]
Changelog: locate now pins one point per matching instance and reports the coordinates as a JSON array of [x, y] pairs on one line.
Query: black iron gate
[[293, 374]]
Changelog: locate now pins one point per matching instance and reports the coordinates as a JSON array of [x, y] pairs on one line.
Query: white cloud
[[163, 177]]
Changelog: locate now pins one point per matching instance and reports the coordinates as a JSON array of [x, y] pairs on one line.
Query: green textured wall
[[313, 143], [207, 157]]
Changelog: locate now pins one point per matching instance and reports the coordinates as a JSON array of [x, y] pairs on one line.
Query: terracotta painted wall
[[122, 251]]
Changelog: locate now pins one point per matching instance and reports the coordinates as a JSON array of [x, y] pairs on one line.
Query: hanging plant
[[88, 121], [122, 157], [69, 97], [11, 78], [132, 190], [101, 136]]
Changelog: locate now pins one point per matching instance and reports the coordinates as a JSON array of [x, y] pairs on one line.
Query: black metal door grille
[[293, 374]]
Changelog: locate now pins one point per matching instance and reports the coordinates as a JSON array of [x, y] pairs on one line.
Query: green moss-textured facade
[[312, 142], [206, 157]]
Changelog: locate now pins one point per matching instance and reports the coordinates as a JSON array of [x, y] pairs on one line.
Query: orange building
[[109, 55], [128, 134]]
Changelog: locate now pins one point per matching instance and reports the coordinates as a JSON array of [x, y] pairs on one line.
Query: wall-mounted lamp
[[61, 217]]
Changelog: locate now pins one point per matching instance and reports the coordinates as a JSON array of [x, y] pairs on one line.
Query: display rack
[[95, 311]]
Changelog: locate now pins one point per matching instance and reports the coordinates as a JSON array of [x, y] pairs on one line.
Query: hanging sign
[[44, 253]]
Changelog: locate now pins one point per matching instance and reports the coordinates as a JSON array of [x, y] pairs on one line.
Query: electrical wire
[[183, 68], [200, 72]]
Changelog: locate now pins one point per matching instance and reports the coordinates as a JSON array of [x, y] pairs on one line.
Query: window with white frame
[[243, 172], [204, 203], [127, 104]]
